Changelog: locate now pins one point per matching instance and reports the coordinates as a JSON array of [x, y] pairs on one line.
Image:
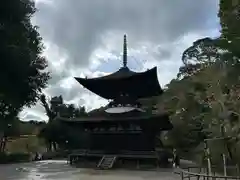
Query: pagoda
[[122, 130]]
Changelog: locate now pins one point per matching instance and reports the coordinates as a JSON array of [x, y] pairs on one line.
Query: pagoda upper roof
[[124, 82]]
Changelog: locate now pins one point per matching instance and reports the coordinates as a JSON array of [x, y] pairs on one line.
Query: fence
[[201, 173]]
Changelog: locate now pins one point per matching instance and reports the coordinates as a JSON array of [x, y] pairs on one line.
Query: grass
[[25, 144]]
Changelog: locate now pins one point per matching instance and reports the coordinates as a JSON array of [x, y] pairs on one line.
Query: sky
[[84, 38]]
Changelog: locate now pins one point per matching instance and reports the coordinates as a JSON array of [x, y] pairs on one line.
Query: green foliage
[[22, 66], [201, 54], [18, 128], [202, 102], [54, 133], [229, 14], [206, 95]]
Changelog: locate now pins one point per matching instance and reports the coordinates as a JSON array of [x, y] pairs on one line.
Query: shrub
[[14, 157]]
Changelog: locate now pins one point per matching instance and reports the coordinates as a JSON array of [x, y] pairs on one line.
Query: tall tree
[[22, 66], [206, 98], [201, 54], [52, 108]]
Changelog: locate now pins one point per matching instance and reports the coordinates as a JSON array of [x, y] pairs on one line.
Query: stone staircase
[[107, 162]]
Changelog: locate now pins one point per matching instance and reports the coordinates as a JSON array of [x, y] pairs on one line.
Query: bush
[[14, 158]]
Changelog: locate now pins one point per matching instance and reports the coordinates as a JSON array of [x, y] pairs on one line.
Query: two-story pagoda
[[122, 130]]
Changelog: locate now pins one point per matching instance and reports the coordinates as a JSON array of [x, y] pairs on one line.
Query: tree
[[22, 66], [201, 54], [229, 13], [205, 97], [52, 108], [55, 133], [181, 101]]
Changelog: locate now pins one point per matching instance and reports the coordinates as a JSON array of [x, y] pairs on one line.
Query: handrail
[[193, 174], [113, 161], [100, 162]]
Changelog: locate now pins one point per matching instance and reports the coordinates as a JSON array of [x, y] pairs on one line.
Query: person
[[37, 157], [176, 159]]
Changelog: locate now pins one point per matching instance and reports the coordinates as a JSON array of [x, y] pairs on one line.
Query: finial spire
[[125, 50]]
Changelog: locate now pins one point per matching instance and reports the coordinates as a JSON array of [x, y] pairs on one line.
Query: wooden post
[[223, 130], [237, 169], [207, 155], [224, 164], [209, 162], [182, 177], [207, 173], [209, 166]]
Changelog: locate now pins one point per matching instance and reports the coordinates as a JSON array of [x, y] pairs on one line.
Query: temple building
[[123, 130]]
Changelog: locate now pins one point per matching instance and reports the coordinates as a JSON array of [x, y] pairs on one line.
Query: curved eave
[[140, 85], [123, 72], [160, 120]]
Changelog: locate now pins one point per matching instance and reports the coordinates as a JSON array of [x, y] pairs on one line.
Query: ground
[[60, 170]]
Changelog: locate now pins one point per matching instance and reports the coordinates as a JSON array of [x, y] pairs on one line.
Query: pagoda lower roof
[[124, 81], [111, 118], [160, 119]]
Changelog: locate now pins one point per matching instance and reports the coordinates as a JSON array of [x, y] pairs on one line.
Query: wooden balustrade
[[201, 173]]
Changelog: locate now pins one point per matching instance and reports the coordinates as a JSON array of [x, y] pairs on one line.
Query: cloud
[[84, 38], [78, 27], [36, 113]]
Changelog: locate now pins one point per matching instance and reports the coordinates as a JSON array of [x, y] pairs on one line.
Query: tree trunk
[[48, 144], [54, 146], [3, 144], [1, 140]]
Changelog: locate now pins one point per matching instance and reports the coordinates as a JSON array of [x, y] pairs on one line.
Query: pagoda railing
[[202, 173], [124, 101]]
